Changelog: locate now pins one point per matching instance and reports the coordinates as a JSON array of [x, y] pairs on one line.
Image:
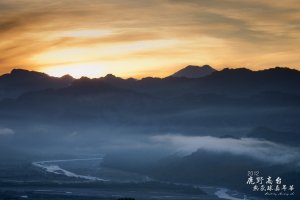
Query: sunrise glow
[[147, 38], [92, 70]]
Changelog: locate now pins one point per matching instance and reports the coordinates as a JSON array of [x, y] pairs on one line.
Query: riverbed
[[54, 166]]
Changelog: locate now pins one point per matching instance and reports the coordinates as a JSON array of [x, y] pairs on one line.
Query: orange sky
[[138, 38]]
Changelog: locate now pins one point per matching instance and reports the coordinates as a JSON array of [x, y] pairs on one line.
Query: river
[[49, 166], [57, 170]]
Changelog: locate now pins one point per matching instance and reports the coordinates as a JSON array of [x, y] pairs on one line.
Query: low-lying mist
[[262, 150]]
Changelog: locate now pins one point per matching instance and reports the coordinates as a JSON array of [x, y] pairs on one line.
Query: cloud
[[6, 131], [245, 30], [262, 150]]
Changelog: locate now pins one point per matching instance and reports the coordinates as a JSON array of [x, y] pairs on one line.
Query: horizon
[[145, 76], [140, 38]]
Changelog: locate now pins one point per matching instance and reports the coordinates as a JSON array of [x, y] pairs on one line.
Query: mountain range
[[233, 82], [19, 81], [227, 98]]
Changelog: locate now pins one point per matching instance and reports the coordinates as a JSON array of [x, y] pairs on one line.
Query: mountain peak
[[67, 76], [13, 71], [192, 71], [110, 76], [24, 72]]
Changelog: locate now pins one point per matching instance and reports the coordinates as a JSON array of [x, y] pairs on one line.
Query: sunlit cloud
[[98, 60], [40, 35], [87, 33], [78, 70]]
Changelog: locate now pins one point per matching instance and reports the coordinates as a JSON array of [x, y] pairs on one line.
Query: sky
[[140, 38]]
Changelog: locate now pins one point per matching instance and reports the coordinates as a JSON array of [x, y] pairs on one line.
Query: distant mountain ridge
[[232, 82], [239, 82], [225, 99], [192, 71], [92, 100], [84, 98]]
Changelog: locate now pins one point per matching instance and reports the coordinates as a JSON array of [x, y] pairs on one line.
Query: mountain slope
[[192, 71], [19, 81], [84, 99]]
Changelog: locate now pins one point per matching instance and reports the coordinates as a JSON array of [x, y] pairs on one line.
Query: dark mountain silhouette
[[19, 81], [94, 101], [233, 82], [243, 82], [274, 98], [282, 137], [95, 91], [84, 99], [192, 71], [84, 86], [110, 78], [229, 87], [175, 104]]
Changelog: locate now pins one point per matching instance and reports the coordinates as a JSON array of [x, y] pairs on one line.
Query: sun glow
[[92, 70], [96, 61], [139, 37]]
